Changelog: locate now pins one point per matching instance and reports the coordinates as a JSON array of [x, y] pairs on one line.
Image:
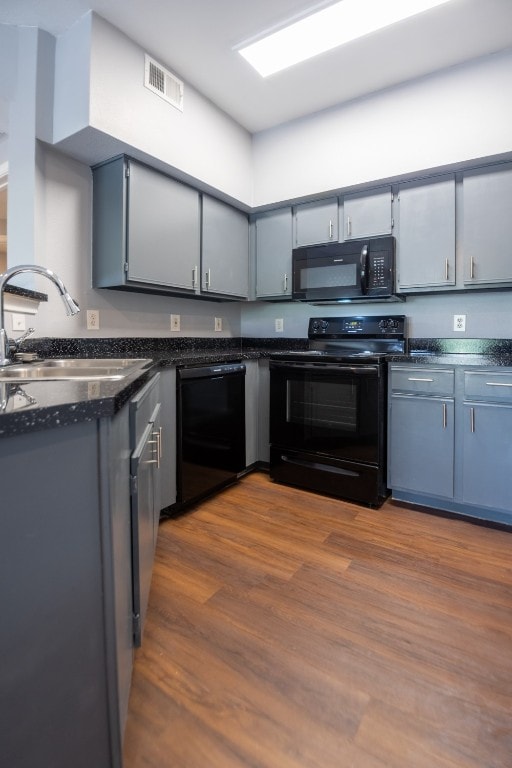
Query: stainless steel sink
[[76, 369]]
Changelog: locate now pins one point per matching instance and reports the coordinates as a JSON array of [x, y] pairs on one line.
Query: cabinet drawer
[[427, 381], [488, 385]]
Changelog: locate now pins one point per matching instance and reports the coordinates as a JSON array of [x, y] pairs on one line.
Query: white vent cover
[[162, 82]]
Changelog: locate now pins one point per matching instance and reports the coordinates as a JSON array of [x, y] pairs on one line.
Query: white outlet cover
[[459, 323]]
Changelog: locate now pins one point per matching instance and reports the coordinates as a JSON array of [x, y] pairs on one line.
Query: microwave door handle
[[364, 266]]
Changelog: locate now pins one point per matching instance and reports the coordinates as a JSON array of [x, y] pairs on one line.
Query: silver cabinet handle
[[207, 277], [446, 272], [194, 276], [472, 269], [158, 452], [349, 226], [330, 229], [497, 384], [445, 416], [411, 378], [285, 283], [472, 419]]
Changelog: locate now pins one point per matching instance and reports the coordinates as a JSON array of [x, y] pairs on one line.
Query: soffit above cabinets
[[197, 40]]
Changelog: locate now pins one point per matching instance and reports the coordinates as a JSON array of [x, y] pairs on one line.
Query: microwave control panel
[[379, 270]]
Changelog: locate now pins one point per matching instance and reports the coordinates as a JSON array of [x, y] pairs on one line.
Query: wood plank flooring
[[290, 630]]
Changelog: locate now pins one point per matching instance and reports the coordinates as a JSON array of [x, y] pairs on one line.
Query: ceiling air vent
[[162, 82]]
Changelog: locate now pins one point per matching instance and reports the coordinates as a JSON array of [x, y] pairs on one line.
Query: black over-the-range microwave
[[349, 271]]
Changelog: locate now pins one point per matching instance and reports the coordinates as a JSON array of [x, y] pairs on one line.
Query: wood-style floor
[[290, 630]]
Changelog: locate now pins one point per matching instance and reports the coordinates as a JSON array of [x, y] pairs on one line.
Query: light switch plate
[[279, 325], [18, 322], [218, 323], [175, 322]]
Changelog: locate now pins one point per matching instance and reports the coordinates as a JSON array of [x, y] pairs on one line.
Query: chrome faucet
[[71, 306]]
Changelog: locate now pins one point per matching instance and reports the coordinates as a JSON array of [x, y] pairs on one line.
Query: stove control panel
[[368, 326]]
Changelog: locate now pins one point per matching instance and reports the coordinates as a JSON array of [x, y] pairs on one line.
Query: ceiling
[[196, 38]]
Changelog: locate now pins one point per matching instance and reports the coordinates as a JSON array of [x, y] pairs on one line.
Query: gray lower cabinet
[[421, 431], [264, 411], [449, 441], [487, 443], [367, 214], [316, 222], [487, 225], [146, 230], [66, 588], [224, 250], [273, 246], [426, 235], [422, 440]]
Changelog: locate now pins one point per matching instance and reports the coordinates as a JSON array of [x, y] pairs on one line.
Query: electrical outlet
[[218, 323], [459, 322], [279, 325], [93, 320], [175, 322], [18, 322]]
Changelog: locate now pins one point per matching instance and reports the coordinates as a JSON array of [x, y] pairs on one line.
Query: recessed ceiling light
[[332, 26]]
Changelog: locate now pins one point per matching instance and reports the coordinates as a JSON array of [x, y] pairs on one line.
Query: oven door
[[333, 410]]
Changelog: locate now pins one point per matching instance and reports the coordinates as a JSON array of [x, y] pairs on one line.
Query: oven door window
[[333, 413]]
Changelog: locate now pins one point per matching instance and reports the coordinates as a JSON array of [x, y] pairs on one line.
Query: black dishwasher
[[210, 428]]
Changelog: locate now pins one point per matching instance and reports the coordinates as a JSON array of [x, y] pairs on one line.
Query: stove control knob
[[383, 325], [324, 325]]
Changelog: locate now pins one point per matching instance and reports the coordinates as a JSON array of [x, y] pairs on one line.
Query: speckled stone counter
[[41, 405], [29, 406], [457, 352]]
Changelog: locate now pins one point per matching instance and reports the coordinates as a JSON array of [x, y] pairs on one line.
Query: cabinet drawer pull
[[497, 384], [472, 419], [445, 416], [412, 378]]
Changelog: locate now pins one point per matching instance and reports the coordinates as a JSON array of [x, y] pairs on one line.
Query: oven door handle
[[327, 367]]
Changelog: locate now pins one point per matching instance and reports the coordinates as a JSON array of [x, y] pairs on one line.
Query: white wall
[[488, 315], [201, 142], [457, 115], [64, 236]]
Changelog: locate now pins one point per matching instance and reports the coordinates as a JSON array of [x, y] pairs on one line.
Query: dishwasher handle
[[210, 371]]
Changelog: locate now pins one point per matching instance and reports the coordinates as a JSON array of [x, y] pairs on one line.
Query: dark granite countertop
[[29, 406], [42, 405]]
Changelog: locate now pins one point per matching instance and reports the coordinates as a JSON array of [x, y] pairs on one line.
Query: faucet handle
[[16, 343]]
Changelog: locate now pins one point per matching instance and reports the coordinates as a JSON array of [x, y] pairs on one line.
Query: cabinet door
[[316, 222], [426, 234], [145, 512], [274, 253], [487, 455], [422, 445], [225, 249], [487, 225], [367, 214], [163, 230]]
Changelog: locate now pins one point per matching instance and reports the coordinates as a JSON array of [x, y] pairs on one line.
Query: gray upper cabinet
[[225, 250], [274, 254], [426, 234], [146, 229], [316, 222], [367, 214], [487, 225]]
